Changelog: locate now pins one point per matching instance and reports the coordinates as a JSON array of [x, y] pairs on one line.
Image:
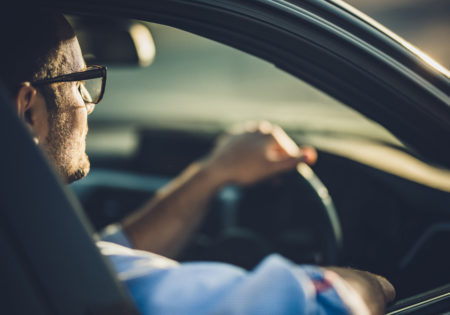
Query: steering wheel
[[292, 214], [333, 232]]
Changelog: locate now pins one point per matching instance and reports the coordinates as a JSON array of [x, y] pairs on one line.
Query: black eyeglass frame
[[91, 72]]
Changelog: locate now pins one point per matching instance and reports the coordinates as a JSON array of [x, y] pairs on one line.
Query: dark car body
[[393, 223]]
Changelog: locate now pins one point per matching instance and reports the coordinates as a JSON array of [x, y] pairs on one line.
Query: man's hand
[[364, 292], [252, 153], [256, 151]]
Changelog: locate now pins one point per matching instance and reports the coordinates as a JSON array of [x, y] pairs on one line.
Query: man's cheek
[[79, 123]]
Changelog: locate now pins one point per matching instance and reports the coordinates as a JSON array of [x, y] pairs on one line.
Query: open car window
[[198, 84], [392, 204], [155, 120]]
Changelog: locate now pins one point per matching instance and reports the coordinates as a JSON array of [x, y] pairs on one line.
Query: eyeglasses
[[92, 82]]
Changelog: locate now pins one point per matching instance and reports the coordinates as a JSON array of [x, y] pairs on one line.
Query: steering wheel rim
[[334, 242]]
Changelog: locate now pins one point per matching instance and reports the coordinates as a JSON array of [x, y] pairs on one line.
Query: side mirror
[[114, 42]]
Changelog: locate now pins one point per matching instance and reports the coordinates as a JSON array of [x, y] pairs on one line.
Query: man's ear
[[25, 100]]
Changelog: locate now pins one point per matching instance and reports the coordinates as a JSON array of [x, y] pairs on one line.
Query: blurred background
[[424, 23]]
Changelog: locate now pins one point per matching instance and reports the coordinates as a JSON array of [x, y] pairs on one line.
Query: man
[[45, 72]]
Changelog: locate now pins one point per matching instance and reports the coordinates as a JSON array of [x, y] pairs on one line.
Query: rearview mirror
[[114, 42]]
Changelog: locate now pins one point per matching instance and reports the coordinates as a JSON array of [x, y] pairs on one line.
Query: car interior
[[369, 202], [391, 206]]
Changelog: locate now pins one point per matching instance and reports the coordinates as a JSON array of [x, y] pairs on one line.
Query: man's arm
[[256, 151], [276, 286]]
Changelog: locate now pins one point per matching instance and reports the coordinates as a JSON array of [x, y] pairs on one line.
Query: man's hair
[[30, 41]]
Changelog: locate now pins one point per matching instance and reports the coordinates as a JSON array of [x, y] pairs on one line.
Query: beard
[[65, 150], [78, 174]]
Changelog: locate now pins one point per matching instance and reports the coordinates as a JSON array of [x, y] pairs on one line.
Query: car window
[[200, 85]]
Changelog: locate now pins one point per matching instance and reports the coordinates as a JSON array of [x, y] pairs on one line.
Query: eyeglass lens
[[91, 90]]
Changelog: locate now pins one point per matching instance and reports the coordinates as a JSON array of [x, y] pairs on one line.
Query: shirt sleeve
[[276, 286], [114, 233]]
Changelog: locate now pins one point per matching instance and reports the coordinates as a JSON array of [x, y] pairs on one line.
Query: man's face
[[65, 139]]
